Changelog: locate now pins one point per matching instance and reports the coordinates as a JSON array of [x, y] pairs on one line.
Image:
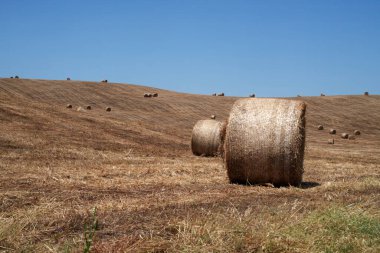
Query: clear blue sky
[[271, 48]]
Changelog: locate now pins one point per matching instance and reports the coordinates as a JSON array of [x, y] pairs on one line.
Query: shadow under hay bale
[[357, 132], [88, 107], [320, 127], [330, 141], [344, 136], [108, 109], [69, 106], [262, 149], [207, 138], [332, 131]]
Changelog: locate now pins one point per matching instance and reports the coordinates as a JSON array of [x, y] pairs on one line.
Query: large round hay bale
[[357, 132], [320, 127], [108, 109], [69, 106], [207, 138], [332, 131], [265, 141], [344, 135], [88, 107]]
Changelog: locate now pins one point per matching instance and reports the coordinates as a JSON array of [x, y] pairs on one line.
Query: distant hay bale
[[155, 95], [330, 141], [108, 109], [351, 137], [265, 141], [213, 116], [68, 79], [357, 132], [298, 96], [213, 94], [252, 95], [322, 95], [332, 131], [69, 106], [105, 81], [320, 127], [344, 135], [207, 138], [16, 77], [80, 109], [88, 107], [11, 77], [221, 94], [366, 93], [147, 95]]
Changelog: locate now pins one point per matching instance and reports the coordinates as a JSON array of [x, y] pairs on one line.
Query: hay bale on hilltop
[[261, 149], [68, 79], [69, 106], [221, 94], [252, 95], [11, 77], [213, 94], [330, 141], [332, 131], [148, 95], [322, 95], [155, 95], [105, 81], [320, 127], [16, 77], [207, 138], [88, 107], [357, 132], [108, 109], [344, 135], [366, 93]]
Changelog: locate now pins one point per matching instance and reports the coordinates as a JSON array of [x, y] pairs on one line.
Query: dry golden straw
[[265, 140], [207, 138]]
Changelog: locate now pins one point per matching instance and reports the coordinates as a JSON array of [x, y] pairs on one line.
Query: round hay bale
[[366, 93], [252, 95], [147, 95], [322, 95], [213, 94], [330, 141], [351, 137], [207, 138], [155, 95], [108, 109], [357, 132], [320, 127], [265, 141], [69, 106], [332, 131], [11, 77], [68, 79], [213, 116], [80, 109], [221, 94], [104, 81], [16, 77], [88, 107], [344, 135]]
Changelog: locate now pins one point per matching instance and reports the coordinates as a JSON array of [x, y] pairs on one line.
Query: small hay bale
[[68, 79], [213, 116], [155, 95], [80, 109], [105, 81], [344, 135], [148, 95], [330, 141], [357, 132], [252, 95], [366, 93], [207, 138], [11, 77], [320, 127], [213, 94], [351, 137], [265, 141], [108, 109], [69, 106], [332, 131], [88, 107], [221, 94], [322, 95], [298, 96], [16, 77]]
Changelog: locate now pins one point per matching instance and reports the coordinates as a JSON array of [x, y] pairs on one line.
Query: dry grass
[[135, 166]]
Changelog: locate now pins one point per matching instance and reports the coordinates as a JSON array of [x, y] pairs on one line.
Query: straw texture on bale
[[332, 131], [320, 127], [330, 141], [344, 135], [88, 107], [265, 141], [357, 132], [108, 109], [207, 138], [69, 106]]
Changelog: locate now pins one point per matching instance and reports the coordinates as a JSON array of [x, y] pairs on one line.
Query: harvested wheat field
[[136, 168]]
